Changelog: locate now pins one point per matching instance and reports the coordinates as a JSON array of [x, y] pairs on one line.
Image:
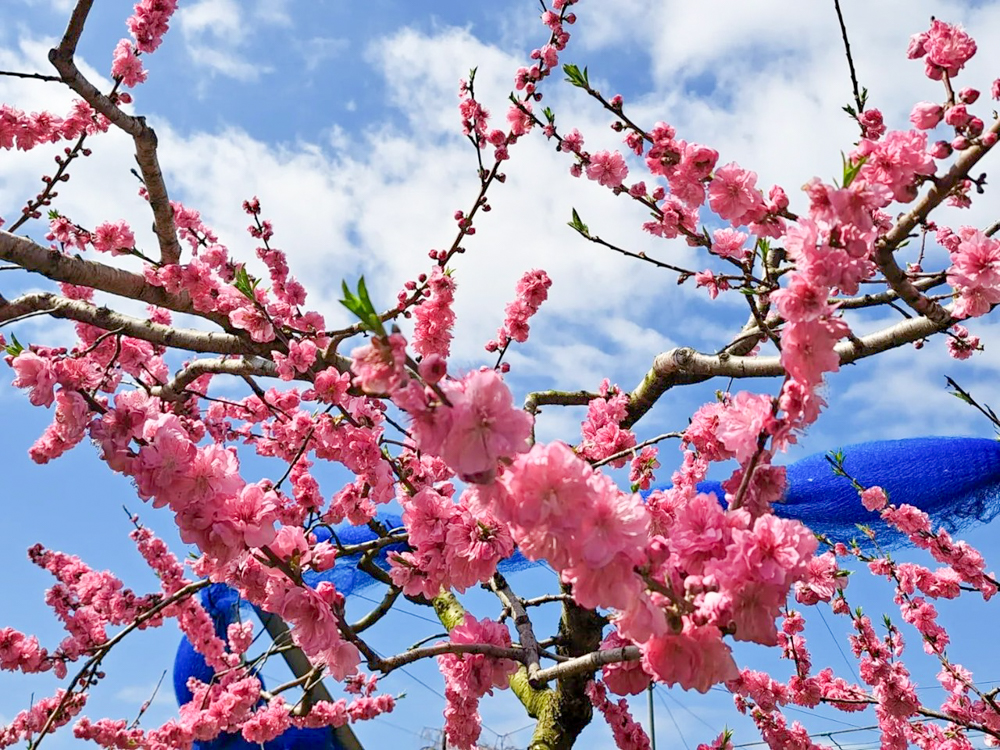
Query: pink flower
[[711, 282], [962, 345], [433, 368], [252, 515], [745, 417], [127, 65], [485, 426], [331, 385], [803, 299], [251, 319], [926, 115], [38, 375], [69, 425], [872, 125], [895, 162], [733, 195], [874, 498], [957, 116], [947, 49], [608, 168], [728, 243], [532, 290], [697, 658], [435, 317], [822, 582], [378, 365], [150, 22], [808, 349], [602, 436]]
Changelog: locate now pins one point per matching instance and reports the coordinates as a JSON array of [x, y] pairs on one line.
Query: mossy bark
[[562, 712]]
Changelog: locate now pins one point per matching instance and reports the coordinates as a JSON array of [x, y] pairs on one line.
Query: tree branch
[[70, 269], [685, 366], [109, 320], [884, 247], [173, 391], [589, 663], [62, 59], [525, 633]]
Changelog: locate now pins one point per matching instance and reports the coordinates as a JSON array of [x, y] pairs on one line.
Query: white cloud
[[319, 50], [376, 201], [213, 33]]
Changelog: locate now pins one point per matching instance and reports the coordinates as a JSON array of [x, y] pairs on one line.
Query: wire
[[676, 725], [836, 642], [670, 695]]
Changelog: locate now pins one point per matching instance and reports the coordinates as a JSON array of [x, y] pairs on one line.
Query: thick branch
[[109, 320], [525, 632], [685, 366], [589, 663], [58, 266], [884, 248], [62, 58], [256, 366]]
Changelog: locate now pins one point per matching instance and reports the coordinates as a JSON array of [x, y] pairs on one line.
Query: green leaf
[[574, 76], [53, 214], [550, 116], [851, 169], [244, 284], [361, 305], [14, 347], [578, 225]]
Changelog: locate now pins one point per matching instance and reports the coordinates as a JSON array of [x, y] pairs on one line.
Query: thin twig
[[850, 60]]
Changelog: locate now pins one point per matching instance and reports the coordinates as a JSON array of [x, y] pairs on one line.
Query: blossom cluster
[[468, 677]]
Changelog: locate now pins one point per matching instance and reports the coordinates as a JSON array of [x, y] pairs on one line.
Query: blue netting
[[955, 480], [223, 604], [346, 576]]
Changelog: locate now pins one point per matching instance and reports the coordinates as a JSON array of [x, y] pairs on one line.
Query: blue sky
[[342, 117]]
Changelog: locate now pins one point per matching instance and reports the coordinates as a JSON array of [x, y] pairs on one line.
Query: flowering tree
[[651, 589]]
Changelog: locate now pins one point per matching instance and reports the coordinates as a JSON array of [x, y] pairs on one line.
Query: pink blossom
[[252, 515], [872, 125], [608, 168], [697, 658], [602, 436], [37, 374], [874, 498], [628, 733], [808, 349], [485, 426], [532, 290], [962, 345], [149, 23], [926, 115], [126, 65], [435, 317], [622, 677], [733, 194], [745, 417], [68, 428], [378, 365], [895, 162], [823, 580], [251, 319], [947, 48], [710, 281], [728, 243]]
